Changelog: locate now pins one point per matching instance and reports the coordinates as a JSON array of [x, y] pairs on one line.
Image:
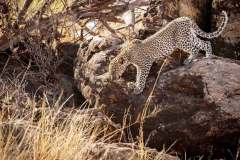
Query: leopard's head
[[117, 66], [120, 62]]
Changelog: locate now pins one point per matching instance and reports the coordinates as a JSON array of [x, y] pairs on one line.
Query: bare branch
[[89, 31], [43, 9], [24, 10], [108, 27], [104, 10]]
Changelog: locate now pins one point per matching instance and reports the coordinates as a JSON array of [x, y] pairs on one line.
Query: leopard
[[181, 33]]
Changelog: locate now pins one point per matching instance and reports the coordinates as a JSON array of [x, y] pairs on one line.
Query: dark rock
[[3, 8], [197, 106], [68, 53], [164, 11], [65, 73], [125, 151], [228, 44]]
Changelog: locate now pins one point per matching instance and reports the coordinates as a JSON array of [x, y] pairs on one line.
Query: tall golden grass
[[38, 130]]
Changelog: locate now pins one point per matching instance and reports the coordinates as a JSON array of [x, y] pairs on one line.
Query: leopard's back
[[164, 42]]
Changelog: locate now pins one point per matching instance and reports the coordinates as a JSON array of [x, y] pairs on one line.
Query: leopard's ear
[[136, 41]]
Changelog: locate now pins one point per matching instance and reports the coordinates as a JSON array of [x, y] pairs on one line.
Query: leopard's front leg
[[142, 74]]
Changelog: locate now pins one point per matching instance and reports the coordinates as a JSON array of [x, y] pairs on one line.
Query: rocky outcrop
[[195, 107], [92, 64]]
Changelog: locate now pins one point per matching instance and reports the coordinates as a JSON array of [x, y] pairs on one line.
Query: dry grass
[[47, 139], [23, 135], [31, 129], [39, 130]]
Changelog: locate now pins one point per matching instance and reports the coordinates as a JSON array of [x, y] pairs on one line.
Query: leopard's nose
[[114, 77]]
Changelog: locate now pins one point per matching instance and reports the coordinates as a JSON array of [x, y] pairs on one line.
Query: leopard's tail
[[214, 34]]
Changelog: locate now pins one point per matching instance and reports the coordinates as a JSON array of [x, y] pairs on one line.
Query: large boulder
[[195, 106]]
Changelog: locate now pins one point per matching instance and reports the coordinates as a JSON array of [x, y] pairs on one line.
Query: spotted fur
[[182, 33]]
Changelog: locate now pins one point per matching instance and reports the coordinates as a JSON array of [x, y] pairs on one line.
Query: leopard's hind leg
[[194, 45], [189, 47], [204, 45], [207, 47]]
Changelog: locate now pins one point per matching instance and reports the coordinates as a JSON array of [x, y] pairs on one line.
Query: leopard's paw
[[187, 61], [133, 88], [137, 90], [209, 56], [131, 85]]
